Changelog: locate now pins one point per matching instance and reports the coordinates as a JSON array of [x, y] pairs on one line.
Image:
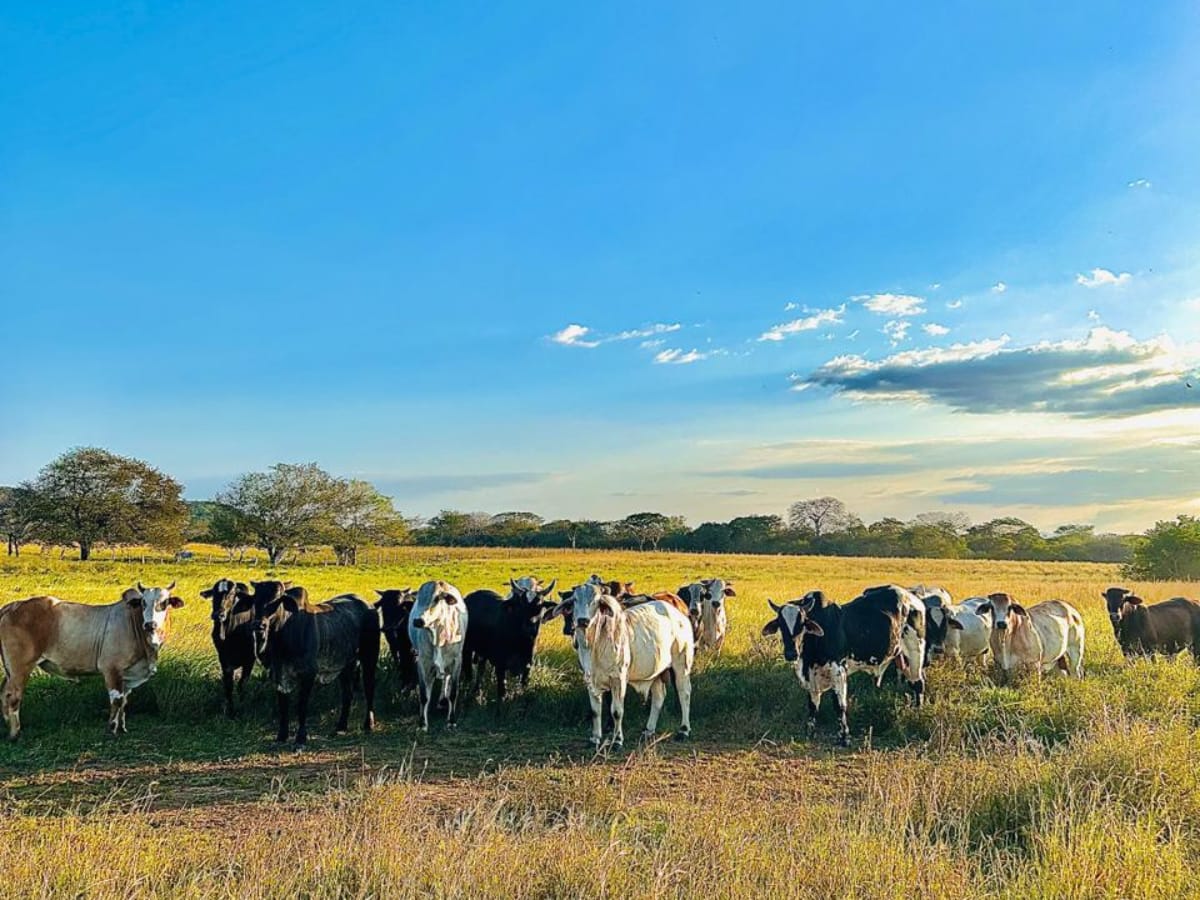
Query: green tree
[[514, 529], [821, 516], [650, 528], [1169, 551], [18, 517], [361, 515], [90, 496], [284, 507]]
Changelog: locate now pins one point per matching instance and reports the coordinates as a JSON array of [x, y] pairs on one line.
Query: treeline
[[90, 497]]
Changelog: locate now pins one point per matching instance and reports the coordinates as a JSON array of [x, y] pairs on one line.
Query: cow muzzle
[[1003, 626], [582, 623]]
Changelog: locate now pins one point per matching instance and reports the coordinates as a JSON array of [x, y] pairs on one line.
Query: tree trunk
[[85, 551], [275, 554]]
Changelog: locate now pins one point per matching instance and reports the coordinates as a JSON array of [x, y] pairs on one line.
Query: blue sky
[[936, 258]]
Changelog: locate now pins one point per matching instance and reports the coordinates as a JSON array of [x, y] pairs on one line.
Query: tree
[[17, 517], [573, 534], [650, 528], [820, 516], [361, 515], [1169, 551], [228, 529], [284, 507], [513, 529], [90, 496]]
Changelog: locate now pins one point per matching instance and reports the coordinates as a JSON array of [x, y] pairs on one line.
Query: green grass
[[1050, 787]]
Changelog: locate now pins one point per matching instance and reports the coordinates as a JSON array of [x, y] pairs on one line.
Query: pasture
[[1050, 787]]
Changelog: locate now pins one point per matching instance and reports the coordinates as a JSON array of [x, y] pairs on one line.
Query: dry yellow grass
[[1050, 788]]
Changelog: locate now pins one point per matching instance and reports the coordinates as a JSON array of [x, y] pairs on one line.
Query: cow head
[[1129, 606], [589, 603], [438, 609], [270, 618], [266, 593], [394, 608], [939, 621], [1114, 600], [527, 605], [153, 604], [791, 623], [1003, 610], [225, 595]]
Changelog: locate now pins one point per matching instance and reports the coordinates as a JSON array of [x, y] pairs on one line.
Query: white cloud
[[935, 285], [652, 344], [1103, 278], [574, 336], [811, 322], [1193, 303], [934, 329], [896, 330], [1139, 183], [999, 287], [852, 335], [955, 304], [657, 328], [788, 307], [1093, 316], [675, 356], [892, 304]]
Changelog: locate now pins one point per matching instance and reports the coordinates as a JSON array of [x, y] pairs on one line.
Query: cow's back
[[1054, 621], [1166, 627], [658, 633], [73, 638]]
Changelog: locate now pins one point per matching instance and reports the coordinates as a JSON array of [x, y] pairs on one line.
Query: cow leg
[[658, 694], [683, 687], [115, 683], [306, 686], [423, 697], [369, 664], [841, 680], [618, 714], [346, 682], [501, 688], [227, 687], [597, 702], [450, 692], [281, 702], [814, 704], [14, 690], [525, 677]]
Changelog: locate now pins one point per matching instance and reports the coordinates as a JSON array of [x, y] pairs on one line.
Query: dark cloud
[[1108, 374]]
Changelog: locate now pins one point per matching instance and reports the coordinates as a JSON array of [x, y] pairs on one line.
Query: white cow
[[958, 630], [641, 647], [1042, 638], [437, 627], [706, 606]]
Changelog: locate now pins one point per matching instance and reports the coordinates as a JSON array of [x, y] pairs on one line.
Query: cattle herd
[[436, 637]]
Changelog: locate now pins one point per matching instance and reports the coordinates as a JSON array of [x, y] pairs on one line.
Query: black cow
[[883, 625], [502, 631], [232, 634], [1166, 627], [394, 608], [307, 644]]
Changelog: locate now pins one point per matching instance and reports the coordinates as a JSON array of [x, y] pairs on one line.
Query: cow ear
[[290, 603], [983, 609], [730, 592], [133, 597], [954, 623], [547, 606], [175, 602], [207, 594], [1134, 599], [812, 628], [565, 595], [1017, 609], [771, 627], [379, 592], [377, 604], [605, 609]]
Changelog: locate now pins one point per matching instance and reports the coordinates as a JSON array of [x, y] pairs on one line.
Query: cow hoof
[[682, 735], [341, 731], [594, 743], [451, 726], [617, 746], [844, 740]]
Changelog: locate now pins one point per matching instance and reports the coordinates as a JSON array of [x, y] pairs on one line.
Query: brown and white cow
[[120, 641], [706, 609], [1041, 638]]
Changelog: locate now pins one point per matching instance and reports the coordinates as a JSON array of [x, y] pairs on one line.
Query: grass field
[[1049, 788]]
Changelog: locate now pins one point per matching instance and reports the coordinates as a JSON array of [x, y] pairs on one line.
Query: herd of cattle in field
[[437, 637]]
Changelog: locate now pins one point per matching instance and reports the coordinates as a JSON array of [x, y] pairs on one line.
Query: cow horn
[[140, 589], [170, 587], [548, 590], [512, 583], [771, 604]]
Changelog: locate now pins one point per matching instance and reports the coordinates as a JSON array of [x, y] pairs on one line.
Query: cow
[[437, 628], [629, 600], [307, 643], [706, 608], [394, 607], [1166, 627], [644, 646], [232, 635], [883, 625], [504, 630], [1044, 637], [621, 590], [120, 641], [958, 630]]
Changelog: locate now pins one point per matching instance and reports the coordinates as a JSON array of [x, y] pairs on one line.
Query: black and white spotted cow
[[827, 642]]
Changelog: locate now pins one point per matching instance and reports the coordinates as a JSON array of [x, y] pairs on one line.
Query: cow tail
[[4, 658]]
